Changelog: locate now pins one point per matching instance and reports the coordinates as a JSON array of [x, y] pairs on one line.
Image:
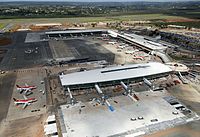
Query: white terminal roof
[[114, 73], [143, 42], [74, 31]]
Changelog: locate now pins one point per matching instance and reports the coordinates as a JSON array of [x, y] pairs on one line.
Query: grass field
[[92, 19], [1, 25], [191, 24]]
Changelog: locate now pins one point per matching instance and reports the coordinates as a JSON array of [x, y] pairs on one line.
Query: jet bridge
[[104, 100], [184, 81], [72, 99], [148, 83], [129, 92]]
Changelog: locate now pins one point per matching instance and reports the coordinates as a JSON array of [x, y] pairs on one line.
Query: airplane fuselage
[[138, 57], [24, 101], [26, 88]]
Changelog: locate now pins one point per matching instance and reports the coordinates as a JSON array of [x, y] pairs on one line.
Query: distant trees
[[94, 24]]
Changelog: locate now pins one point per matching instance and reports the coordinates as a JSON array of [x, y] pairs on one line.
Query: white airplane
[[105, 39], [99, 37], [25, 88], [131, 51], [121, 47], [112, 42], [28, 51], [104, 35], [25, 102]]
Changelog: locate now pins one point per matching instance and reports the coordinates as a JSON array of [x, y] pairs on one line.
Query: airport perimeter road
[[6, 87], [6, 28]]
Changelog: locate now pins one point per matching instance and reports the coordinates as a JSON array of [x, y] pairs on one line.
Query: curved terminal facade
[[113, 75], [178, 67]]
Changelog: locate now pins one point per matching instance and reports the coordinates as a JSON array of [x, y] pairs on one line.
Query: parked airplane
[[26, 101], [105, 39], [99, 37], [104, 35], [112, 42], [25, 88], [131, 51], [139, 57], [121, 47], [28, 51]]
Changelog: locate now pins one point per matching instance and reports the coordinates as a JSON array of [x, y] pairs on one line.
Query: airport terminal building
[[113, 75], [69, 33], [134, 39]]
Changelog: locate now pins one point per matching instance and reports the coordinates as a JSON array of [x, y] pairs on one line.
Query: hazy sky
[[99, 0]]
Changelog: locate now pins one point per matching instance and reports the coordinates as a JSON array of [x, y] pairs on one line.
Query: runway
[[6, 88]]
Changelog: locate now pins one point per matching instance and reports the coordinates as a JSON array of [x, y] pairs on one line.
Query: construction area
[[92, 83], [150, 114]]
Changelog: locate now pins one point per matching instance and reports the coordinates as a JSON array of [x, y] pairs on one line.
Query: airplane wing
[[26, 84], [25, 105], [25, 91], [25, 97], [21, 91]]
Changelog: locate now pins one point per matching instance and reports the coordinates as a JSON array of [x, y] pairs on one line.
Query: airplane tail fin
[[14, 99]]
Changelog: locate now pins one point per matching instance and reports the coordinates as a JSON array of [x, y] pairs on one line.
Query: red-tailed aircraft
[[25, 102], [25, 88], [139, 57]]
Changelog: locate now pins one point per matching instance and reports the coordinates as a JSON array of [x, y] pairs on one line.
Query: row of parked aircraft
[[132, 52], [26, 101], [25, 88], [140, 57]]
